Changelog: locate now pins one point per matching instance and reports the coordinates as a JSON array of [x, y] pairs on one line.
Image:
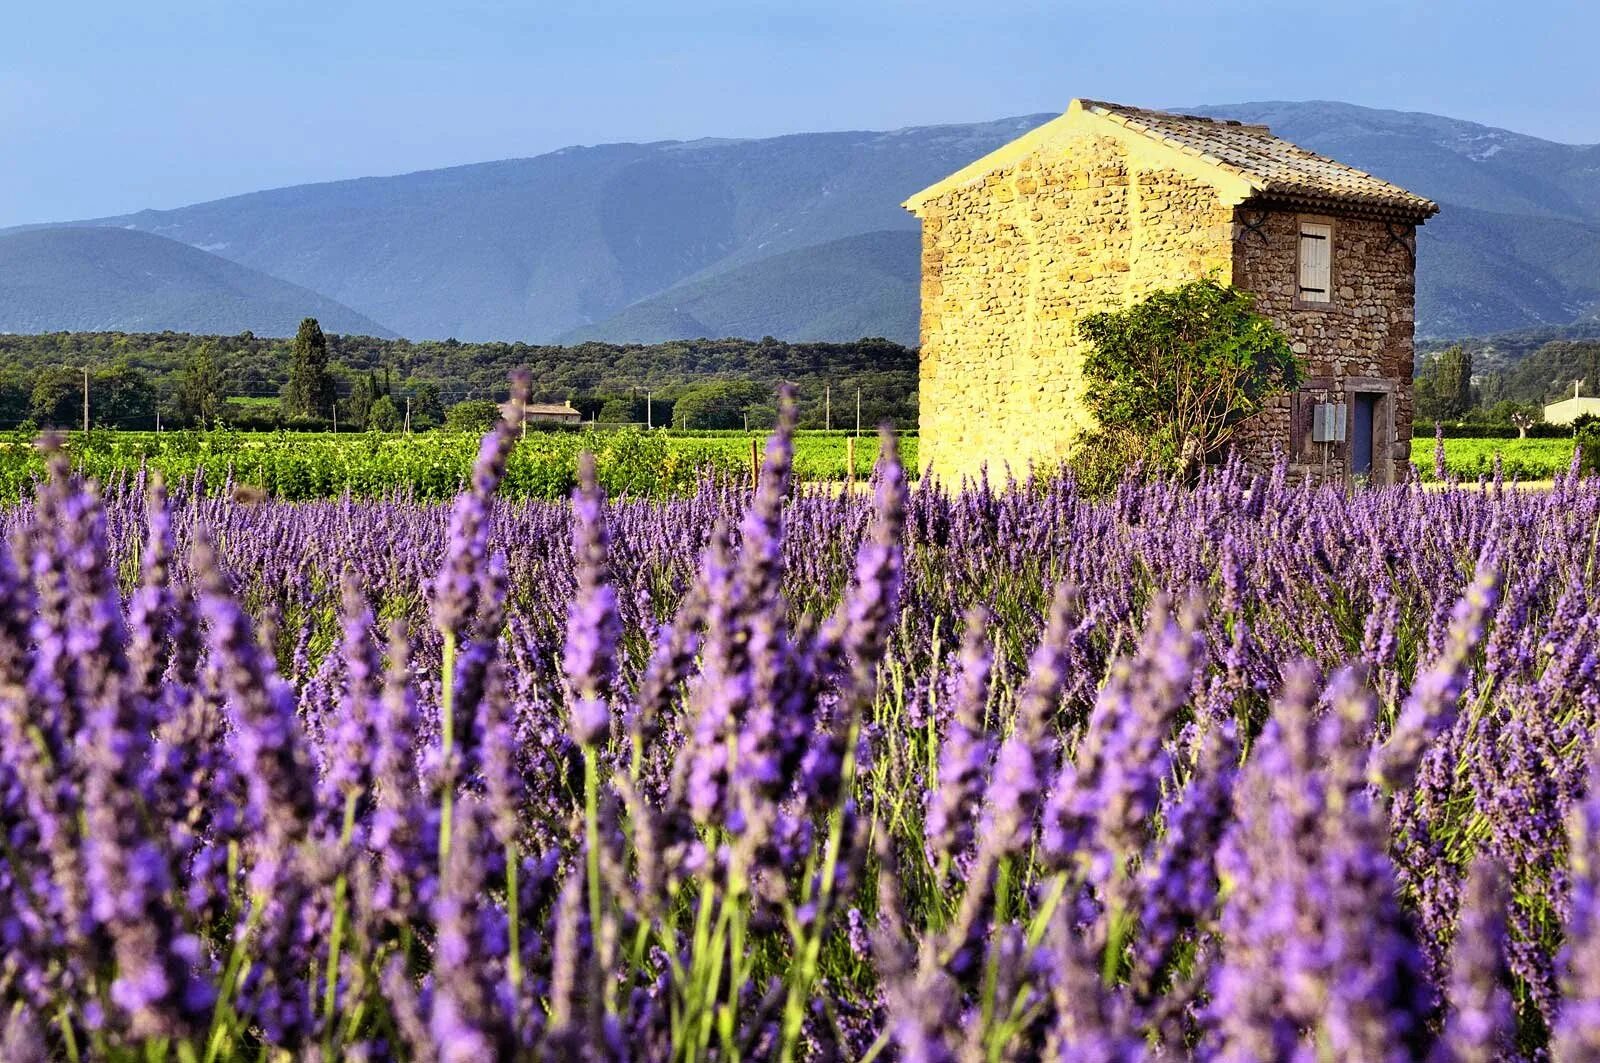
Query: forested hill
[[803, 236], [37, 373]]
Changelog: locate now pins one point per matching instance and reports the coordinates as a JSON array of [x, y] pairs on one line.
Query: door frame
[[1383, 439]]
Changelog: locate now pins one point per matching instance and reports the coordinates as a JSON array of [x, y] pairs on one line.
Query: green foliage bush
[[1587, 440], [1180, 370], [720, 404], [1485, 429], [383, 415], [1102, 459], [475, 415]]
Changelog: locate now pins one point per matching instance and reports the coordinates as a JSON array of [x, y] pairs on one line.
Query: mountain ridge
[[144, 282], [587, 239]]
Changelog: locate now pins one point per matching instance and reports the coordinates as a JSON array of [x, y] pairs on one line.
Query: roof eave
[[1404, 213]]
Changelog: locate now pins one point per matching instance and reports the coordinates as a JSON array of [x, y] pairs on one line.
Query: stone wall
[[1012, 261], [1360, 341]]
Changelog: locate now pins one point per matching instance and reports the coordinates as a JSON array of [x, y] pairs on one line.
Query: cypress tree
[[309, 392], [201, 393], [1455, 382]]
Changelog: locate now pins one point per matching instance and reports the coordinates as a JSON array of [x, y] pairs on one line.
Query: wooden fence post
[[755, 464], [850, 464]]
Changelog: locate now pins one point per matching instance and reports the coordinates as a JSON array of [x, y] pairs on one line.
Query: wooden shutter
[[1302, 404], [1316, 262]]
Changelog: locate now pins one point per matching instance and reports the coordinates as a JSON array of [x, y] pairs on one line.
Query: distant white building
[[1568, 410]]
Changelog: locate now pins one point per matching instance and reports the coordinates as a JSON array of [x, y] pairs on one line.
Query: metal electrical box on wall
[[1327, 422]]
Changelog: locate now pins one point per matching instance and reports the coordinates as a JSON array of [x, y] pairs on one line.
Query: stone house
[[546, 412], [553, 413], [1107, 204]]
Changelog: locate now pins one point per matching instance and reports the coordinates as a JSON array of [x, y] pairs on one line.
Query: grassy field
[[631, 461], [1467, 459], [433, 466]]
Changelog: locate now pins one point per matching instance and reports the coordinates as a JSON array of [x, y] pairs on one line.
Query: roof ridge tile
[[1273, 165]]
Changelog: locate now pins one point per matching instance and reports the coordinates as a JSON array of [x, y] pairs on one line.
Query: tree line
[[1475, 384], [311, 380]]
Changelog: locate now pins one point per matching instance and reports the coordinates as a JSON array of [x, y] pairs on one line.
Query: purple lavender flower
[[964, 753], [167, 790], [455, 589], [1179, 886], [394, 892], [468, 1022], [349, 771], [1099, 811], [1028, 754], [920, 999], [1577, 1029], [150, 611], [127, 871], [1481, 1026], [1313, 934], [1435, 698], [285, 911], [271, 750], [720, 693], [671, 662], [593, 625], [571, 1002], [870, 605]]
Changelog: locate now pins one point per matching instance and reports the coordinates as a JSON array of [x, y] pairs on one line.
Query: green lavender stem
[[447, 740]]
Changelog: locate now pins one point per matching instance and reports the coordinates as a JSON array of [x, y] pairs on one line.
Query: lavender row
[[1239, 771]]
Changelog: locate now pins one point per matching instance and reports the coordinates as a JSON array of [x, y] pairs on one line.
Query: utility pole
[[827, 407], [649, 414], [85, 400], [408, 415]]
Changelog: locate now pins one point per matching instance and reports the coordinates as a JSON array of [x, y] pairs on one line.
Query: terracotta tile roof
[[543, 409], [1276, 168]]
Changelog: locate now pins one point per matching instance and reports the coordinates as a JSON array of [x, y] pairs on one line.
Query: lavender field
[[1243, 771]]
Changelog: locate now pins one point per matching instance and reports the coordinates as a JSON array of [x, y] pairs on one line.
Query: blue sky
[[108, 106]]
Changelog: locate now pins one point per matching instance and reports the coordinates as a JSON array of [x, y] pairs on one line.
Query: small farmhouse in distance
[[1107, 204], [553, 412], [546, 412], [1565, 411]]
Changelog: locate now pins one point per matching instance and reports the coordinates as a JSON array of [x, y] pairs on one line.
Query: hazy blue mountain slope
[[857, 286], [1480, 272], [536, 248], [87, 279], [622, 237]]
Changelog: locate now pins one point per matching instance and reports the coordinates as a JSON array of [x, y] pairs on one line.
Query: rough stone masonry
[[1108, 204]]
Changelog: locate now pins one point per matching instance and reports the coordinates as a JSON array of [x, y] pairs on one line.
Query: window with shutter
[[1316, 262]]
